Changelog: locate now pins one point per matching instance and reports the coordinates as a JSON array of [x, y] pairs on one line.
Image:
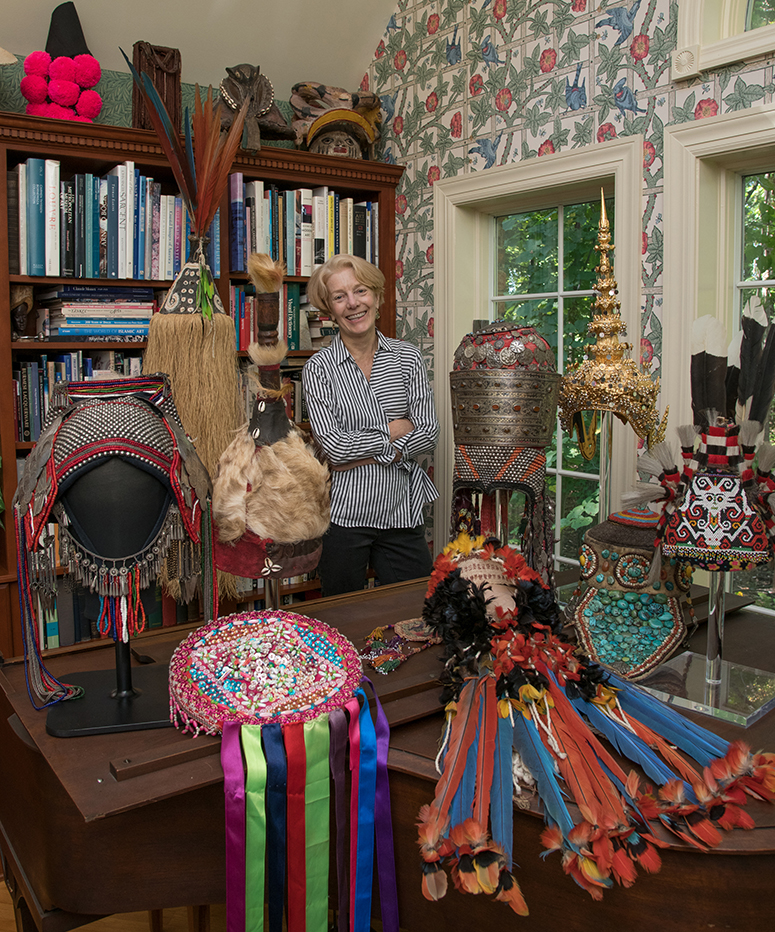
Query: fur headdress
[[271, 499]]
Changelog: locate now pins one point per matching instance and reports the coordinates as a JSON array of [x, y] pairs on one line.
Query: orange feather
[[434, 883], [623, 869], [508, 892]]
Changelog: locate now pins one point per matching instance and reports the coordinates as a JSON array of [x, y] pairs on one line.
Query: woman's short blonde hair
[[364, 272]]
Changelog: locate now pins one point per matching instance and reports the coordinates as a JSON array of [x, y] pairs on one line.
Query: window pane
[[541, 314], [526, 253], [760, 13], [580, 504], [577, 313], [571, 455], [580, 229], [758, 227]]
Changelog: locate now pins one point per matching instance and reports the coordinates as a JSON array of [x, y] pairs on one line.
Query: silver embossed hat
[[504, 387]]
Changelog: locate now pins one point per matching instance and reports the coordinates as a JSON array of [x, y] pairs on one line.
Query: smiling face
[[353, 305]]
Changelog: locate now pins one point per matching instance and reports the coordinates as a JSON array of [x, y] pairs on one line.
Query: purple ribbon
[[234, 792], [337, 724], [386, 862]]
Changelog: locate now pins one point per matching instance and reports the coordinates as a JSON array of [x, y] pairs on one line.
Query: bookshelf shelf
[[96, 149]]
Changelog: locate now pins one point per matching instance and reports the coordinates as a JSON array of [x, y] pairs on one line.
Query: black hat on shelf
[[65, 36]]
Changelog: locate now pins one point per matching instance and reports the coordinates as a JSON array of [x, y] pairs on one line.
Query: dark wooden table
[[134, 821]]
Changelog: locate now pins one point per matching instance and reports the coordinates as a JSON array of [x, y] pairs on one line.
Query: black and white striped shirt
[[350, 416]]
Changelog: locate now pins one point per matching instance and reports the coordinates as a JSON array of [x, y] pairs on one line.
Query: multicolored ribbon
[[278, 805]]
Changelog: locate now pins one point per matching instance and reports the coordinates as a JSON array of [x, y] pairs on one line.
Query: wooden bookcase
[[82, 147]]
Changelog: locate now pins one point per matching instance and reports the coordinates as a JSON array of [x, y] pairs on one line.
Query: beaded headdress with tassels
[[513, 680], [91, 424], [287, 694]]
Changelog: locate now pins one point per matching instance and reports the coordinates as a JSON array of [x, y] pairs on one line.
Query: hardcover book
[[36, 217], [113, 227], [79, 248], [67, 228], [51, 182], [12, 200]]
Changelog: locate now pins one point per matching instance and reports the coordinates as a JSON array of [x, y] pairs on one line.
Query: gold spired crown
[[608, 379]]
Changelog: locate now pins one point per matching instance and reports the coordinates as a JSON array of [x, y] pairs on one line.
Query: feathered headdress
[[513, 680], [192, 339]]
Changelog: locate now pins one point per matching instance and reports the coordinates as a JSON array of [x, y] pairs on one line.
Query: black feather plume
[[708, 368], [764, 388], [754, 326]]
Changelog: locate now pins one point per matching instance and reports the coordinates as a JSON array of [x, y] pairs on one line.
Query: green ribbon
[[255, 814], [317, 818]]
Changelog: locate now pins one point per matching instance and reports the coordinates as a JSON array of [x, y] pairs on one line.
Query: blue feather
[[501, 804], [539, 762], [700, 743], [463, 800], [190, 151], [627, 744]]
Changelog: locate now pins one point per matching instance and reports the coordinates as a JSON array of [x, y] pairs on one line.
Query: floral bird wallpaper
[[468, 85]]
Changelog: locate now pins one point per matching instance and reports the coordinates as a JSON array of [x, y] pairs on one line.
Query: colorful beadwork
[[260, 667]]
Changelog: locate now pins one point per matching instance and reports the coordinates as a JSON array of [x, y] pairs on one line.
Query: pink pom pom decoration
[[65, 93], [37, 63], [34, 88], [36, 110], [87, 70], [57, 112], [62, 69], [89, 105]]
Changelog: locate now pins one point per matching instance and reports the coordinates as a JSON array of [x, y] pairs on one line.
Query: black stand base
[[146, 704]]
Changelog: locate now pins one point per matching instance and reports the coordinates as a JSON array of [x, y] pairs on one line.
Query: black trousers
[[395, 554]]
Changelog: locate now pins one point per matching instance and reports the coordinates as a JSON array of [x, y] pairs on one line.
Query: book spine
[[131, 220], [25, 403], [36, 220], [67, 228], [289, 203], [21, 175], [142, 189], [148, 227], [108, 329], [292, 314], [113, 227], [236, 222], [51, 181], [107, 321], [80, 227], [170, 241], [88, 223], [119, 172], [103, 208], [360, 219], [178, 243], [156, 232], [34, 390], [12, 203]]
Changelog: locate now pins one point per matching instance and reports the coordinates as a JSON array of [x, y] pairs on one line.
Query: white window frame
[[711, 34], [463, 259], [703, 201]]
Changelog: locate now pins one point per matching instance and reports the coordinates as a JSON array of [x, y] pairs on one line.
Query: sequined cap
[[608, 379]]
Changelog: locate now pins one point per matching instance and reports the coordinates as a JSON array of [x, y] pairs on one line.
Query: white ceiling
[[326, 41]]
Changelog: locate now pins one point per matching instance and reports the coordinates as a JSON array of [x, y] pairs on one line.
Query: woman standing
[[371, 408]]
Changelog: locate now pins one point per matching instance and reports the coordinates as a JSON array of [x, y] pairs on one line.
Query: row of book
[[301, 227], [121, 225], [69, 311], [33, 381]]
